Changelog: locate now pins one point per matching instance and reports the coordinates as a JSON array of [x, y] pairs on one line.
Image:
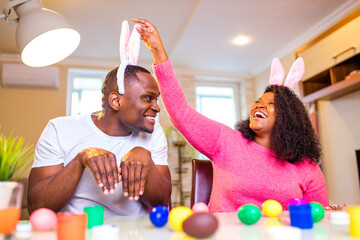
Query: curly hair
[[292, 138]]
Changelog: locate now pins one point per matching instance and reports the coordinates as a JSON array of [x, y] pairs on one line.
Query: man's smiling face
[[139, 106]]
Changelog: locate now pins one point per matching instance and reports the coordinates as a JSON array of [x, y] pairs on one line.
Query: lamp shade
[[43, 36]]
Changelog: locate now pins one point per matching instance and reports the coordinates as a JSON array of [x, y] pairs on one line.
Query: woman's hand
[[152, 40]]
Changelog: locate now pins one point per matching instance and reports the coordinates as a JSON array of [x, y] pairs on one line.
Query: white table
[[140, 228], [230, 228]]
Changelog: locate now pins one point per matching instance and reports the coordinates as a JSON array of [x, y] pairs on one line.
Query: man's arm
[[53, 186], [158, 187]]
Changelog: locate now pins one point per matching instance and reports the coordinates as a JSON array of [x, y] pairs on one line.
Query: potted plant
[[15, 159]]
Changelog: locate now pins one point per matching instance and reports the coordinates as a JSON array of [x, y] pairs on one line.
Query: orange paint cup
[[9, 219], [10, 205], [71, 226]]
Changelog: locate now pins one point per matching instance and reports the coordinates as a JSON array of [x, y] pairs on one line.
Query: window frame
[[83, 73], [234, 85]]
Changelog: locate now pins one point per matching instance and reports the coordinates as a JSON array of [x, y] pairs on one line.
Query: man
[[77, 159]]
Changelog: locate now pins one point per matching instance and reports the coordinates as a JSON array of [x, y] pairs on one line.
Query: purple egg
[[200, 225]]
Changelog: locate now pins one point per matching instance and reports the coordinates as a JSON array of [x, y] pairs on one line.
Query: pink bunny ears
[[129, 52], [294, 76]]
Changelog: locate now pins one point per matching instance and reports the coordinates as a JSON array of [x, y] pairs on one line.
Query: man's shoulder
[[69, 121], [69, 118]]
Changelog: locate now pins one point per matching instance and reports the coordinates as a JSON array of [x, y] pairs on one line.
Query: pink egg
[[200, 207], [43, 219]]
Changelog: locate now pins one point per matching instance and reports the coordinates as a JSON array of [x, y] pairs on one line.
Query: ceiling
[[197, 33]]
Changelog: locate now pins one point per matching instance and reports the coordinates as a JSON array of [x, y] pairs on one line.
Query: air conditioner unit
[[22, 75]]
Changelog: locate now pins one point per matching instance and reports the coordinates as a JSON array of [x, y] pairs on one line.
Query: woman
[[272, 155]]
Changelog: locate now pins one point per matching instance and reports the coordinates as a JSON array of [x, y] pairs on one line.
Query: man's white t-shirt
[[64, 137]]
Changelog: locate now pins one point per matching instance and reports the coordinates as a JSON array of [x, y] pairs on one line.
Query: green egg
[[249, 214], [317, 211]]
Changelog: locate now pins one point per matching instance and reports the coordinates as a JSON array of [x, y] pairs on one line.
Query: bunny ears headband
[[129, 52], [294, 76]]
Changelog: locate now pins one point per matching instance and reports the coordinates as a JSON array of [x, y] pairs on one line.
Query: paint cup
[[71, 226], [354, 213], [300, 216], [95, 216], [10, 206]]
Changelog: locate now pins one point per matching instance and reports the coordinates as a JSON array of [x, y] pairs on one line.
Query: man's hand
[[102, 164], [134, 169]]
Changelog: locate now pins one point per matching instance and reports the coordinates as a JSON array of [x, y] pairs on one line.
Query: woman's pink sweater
[[244, 171]]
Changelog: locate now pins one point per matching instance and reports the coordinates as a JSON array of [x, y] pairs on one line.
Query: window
[[84, 94], [217, 103]]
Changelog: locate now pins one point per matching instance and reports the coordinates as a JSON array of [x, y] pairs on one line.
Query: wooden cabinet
[[331, 83], [334, 48], [329, 60]]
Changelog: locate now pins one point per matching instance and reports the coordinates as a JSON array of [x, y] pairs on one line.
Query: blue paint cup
[[300, 216]]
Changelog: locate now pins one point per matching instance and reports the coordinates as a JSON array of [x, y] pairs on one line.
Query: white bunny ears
[[294, 76], [129, 52]]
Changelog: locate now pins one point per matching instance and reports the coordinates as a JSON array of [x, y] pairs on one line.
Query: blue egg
[[159, 216]]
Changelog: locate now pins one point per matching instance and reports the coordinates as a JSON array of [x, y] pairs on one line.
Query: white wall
[[339, 130]]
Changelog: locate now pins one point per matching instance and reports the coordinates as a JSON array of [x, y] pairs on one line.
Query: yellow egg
[[271, 208], [177, 216]]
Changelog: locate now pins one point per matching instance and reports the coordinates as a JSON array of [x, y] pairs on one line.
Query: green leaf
[[15, 157]]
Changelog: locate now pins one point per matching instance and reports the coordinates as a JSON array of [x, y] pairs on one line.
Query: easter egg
[[272, 208], [200, 207], [317, 211], [159, 216], [43, 219], [200, 225], [177, 216], [249, 214]]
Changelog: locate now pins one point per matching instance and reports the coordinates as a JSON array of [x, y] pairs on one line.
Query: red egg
[[200, 225], [43, 219]]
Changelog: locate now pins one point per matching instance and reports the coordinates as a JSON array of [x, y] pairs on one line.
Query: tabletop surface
[[140, 228]]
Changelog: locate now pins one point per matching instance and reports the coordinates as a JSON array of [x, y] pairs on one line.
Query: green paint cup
[[95, 216]]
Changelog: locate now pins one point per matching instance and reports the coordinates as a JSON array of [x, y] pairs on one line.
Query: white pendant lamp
[[43, 37]]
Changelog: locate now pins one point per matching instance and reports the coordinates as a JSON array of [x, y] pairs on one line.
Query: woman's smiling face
[[262, 114]]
